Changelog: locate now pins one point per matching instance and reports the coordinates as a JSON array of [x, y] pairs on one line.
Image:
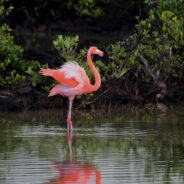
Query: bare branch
[[170, 51], [147, 67]]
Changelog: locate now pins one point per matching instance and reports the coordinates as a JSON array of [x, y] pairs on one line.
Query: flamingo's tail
[[56, 90], [46, 72]]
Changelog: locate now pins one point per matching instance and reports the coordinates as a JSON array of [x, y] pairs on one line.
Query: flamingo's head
[[95, 50]]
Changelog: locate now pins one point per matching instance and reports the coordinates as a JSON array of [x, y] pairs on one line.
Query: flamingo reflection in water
[[75, 173]]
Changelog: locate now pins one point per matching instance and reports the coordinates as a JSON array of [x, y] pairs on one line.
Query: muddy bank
[[112, 93]]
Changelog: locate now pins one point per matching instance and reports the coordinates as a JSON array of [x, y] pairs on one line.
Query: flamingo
[[73, 80]]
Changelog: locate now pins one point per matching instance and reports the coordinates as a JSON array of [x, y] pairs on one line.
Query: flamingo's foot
[[69, 124]]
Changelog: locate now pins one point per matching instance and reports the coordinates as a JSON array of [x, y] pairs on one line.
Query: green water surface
[[122, 145]]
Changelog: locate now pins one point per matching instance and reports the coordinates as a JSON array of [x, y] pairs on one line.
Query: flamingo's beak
[[99, 52]]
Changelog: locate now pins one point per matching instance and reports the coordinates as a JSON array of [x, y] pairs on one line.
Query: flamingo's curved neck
[[96, 74]]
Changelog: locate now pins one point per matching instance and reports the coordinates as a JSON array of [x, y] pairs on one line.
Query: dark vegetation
[[145, 67], [68, 15]]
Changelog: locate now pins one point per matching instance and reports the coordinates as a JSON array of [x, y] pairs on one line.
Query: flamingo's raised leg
[[69, 121]]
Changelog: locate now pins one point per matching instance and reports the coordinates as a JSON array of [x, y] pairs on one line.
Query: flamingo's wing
[[61, 78]]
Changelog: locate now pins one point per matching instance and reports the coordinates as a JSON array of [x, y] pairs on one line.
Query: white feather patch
[[72, 69]]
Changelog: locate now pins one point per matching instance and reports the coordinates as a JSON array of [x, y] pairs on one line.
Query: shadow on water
[[125, 145]]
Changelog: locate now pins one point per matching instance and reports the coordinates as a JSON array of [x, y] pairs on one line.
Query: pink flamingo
[[73, 80]]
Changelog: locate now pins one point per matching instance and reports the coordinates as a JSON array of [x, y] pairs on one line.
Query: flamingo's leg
[[69, 121]]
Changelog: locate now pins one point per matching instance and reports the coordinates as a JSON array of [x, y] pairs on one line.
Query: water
[[125, 145]]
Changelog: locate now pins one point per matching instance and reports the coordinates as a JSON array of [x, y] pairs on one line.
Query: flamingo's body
[[73, 80]]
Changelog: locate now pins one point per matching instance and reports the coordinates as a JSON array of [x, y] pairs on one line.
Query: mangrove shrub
[[13, 69], [160, 35]]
